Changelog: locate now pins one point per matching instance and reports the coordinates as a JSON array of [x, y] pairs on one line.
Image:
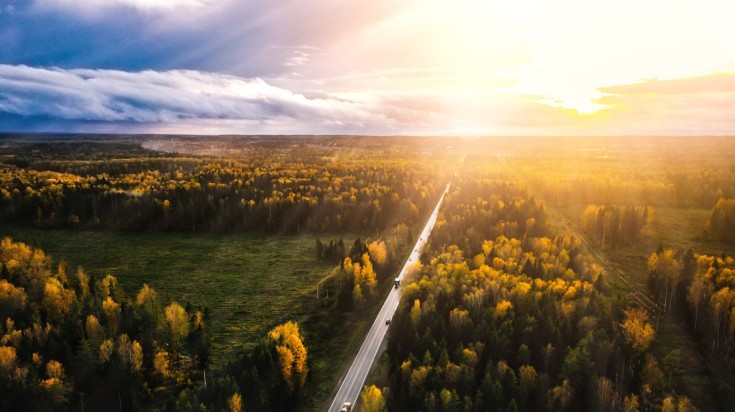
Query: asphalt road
[[351, 386]]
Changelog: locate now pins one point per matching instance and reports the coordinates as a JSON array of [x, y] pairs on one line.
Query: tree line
[[215, 195], [700, 289], [613, 226]]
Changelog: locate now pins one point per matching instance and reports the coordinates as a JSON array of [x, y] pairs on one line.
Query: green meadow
[[250, 282]]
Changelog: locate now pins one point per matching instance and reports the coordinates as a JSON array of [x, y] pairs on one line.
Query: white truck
[[346, 407]]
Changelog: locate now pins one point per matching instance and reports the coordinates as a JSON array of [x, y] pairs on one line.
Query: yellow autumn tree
[[378, 252], [416, 312], [107, 286], [502, 308], [136, 356], [162, 364], [630, 403], [130, 352], [83, 282], [8, 357], [29, 268], [54, 369], [94, 330], [166, 209], [107, 347], [12, 298], [111, 309], [292, 354], [177, 321], [57, 300], [234, 403], [636, 329], [371, 399], [147, 296], [54, 385]]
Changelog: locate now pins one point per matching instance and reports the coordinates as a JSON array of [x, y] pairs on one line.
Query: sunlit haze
[[383, 67]]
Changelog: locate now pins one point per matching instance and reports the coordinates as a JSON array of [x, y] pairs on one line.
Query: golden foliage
[[54, 369], [406, 367], [416, 312], [37, 359], [12, 337], [57, 300], [418, 376], [470, 357], [12, 298], [147, 296], [378, 251], [234, 403], [502, 307], [83, 281], [8, 357], [292, 354], [49, 384], [29, 268], [94, 330], [136, 356], [177, 320], [527, 375], [111, 309], [637, 331], [685, 405], [458, 318], [162, 364], [198, 320], [669, 404], [106, 350], [286, 361], [108, 285], [371, 399]]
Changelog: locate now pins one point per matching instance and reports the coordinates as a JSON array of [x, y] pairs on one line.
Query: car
[[387, 321]]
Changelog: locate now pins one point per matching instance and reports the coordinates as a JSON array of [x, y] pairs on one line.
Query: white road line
[[351, 385]]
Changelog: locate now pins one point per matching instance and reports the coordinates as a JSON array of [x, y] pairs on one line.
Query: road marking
[[351, 385]]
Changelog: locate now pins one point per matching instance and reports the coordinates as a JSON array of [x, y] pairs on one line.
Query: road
[[351, 385]]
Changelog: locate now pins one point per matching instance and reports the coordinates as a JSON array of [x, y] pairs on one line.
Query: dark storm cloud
[[153, 97]]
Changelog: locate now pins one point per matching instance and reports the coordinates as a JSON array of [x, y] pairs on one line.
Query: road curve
[[351, 385]]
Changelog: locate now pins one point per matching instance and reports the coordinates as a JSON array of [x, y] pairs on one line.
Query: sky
[[386, 67]]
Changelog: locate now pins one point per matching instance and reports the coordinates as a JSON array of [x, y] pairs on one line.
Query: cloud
[[169, 99], [172, 100], [684, 106], [189, 101], [150, 96]]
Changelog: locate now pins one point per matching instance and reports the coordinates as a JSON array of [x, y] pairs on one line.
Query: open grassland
[[250, 282]]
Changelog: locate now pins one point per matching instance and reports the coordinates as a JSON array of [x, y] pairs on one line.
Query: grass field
[[250, 282]]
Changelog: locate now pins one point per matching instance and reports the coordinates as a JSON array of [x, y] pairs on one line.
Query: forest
[[517, 318], [563, 274]]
